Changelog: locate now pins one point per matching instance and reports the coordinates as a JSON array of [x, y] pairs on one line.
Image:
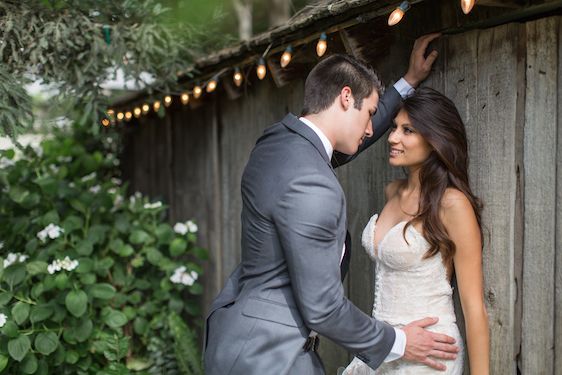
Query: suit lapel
[[294, 124]]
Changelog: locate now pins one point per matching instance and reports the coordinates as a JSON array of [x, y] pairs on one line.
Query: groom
[[293, 233]]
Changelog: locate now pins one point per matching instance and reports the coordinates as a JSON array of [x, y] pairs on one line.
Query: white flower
[[13, 258], [191, 227], [52, 231], [3, 320], [1, 245], [88, 177], [116, 162], [180, 228], [64, 159], [53, 168], [118, 201], [72, 185], [116, 181], [65, 264], [150, 206], [180, 276], [95, 189]]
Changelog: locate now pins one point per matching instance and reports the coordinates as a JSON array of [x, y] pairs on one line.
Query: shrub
[[91, 282]]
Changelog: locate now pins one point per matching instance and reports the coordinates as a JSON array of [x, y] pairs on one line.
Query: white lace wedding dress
[[407, 288]]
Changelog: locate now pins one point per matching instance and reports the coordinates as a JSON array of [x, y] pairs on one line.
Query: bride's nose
[[393, 137]]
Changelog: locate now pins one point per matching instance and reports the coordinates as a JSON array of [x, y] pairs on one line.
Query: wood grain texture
[[558, 247], [540, 197]]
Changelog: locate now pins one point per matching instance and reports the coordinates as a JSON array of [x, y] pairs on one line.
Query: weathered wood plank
[[479, 78], [558, 255], [540, 195]]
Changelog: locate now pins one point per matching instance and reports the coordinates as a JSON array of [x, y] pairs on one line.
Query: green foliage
[[76, 45], [91, 282]]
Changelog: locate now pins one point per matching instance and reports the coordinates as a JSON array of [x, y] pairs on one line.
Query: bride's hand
[[422, 345]]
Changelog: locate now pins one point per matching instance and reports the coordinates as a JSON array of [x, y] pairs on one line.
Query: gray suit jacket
[[288, 282]]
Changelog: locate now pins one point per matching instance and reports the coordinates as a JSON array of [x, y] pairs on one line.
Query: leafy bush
[[91, 282]]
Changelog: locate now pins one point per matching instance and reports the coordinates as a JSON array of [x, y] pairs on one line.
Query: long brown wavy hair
[[437, 120]]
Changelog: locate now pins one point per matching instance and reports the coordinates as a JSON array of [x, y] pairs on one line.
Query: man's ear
[[346, 98]]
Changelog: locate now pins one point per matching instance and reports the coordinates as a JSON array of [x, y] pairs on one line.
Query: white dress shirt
[[404, 89]]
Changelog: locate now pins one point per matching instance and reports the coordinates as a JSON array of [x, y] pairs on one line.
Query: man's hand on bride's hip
[[425, 347]]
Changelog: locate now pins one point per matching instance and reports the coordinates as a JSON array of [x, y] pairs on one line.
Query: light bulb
[[261, 70], [197, 91], [212, 85], [120, 116], [322, 45], [128, 115], [167, 100], [105, 122], [467, 5], [184, 98], [156, 106], [137, 112], [145, 108], [286, 57], [237, 77], [398, 13]]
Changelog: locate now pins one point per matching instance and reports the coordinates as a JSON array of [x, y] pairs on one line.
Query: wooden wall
[[506, 82]]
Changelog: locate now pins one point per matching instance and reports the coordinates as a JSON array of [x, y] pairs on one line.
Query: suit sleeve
[[382, 119], [307, 220]]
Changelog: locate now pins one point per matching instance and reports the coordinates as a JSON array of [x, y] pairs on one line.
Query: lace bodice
[[407, 288]]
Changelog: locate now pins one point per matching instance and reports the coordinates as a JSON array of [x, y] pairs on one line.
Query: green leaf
[[138, 364], [140, 325], [5, 297], [20, 312], [139, 237], [76, 302], [200, 253], [115, 319], [46, 342], [29, 364], [122, 223], [97, 233], [164, 233], [72, 357], [102, 291], [61, 281], [14, 274], [40, 313], [153, 256], [19, 347], [196, 289], [10, 329], [18, 194], [85, 247], [78, 206], [83, 330], [3, 362], [88, 278], [72, 223], [178, 247], [36, 290], [36, 267], [85, 265]]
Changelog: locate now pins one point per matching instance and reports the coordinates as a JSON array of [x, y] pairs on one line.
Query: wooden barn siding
[[504, 83]]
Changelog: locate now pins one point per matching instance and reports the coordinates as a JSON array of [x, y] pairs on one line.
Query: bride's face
[[407, 147]]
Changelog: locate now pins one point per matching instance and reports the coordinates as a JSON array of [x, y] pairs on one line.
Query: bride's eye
[[408, 130]]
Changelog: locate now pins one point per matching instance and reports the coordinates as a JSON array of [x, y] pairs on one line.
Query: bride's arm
[[461, 224]]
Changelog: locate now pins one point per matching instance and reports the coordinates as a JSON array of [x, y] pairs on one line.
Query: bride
[[429, 231]]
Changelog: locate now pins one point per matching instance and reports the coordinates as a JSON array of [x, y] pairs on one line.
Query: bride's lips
[[395, 152]]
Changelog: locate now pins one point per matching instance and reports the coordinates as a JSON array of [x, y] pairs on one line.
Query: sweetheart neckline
[[378, 247]]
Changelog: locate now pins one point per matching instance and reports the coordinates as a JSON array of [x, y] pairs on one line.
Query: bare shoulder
[[456, 205], [392, 188]]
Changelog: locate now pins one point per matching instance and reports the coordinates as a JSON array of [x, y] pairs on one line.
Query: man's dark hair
[[328, 77]]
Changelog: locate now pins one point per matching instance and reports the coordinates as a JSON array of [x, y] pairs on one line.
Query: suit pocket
[[272, 311]]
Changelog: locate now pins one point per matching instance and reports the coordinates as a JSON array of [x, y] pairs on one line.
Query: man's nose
[[369, 130]]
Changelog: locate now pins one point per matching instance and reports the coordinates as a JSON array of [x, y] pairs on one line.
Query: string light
[[197, 91], [145, 108], [120, 116], [105, 122], [398, 13], [467, 5], [111, 113], [261, 70], [212, 85], [237, 77], [156, 106], [128, 116], [322, 45], [286, 57], [137, 112], [184, 98], [167, 100]]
